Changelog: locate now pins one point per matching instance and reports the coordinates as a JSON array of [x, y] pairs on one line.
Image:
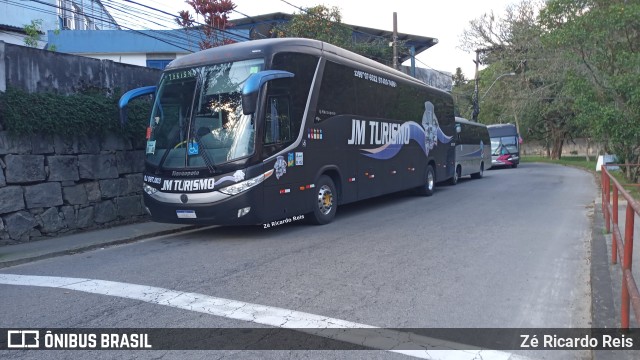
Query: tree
[[215, 15], [458, 78], [538, 100], [34, 33], [462, 92], [325, 24], [602, 38], [319, 22]]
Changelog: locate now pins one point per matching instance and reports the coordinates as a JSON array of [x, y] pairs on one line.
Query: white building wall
[[138, 59], [133, 59]]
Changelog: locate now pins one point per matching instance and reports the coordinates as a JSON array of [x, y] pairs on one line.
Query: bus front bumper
[[241, 209]]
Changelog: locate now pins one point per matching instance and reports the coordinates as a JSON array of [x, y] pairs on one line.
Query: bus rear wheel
[[430, 182], [326, 201], [479, 174], [456, 175]]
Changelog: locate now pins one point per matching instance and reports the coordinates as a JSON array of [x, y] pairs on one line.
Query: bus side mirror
[[130, 95], [254, 83], [458, 129]]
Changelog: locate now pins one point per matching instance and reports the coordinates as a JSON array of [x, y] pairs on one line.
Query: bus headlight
[[150, 190], [245, 185]]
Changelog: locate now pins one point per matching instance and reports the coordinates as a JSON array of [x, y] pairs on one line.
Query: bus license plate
[[186, 214]]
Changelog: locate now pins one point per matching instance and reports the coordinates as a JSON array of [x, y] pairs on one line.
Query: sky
[[444, 20]]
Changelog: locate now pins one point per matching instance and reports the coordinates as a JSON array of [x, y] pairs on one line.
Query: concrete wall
[[36, 70], [51, 185], [579, 147]]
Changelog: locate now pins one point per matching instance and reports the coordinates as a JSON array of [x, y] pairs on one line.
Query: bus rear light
[[244, 211], [352, 179]]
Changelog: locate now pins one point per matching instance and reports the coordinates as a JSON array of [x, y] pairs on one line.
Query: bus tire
[[479, 174], [515, 165], [430, 182], [456, 175], [325, 201]]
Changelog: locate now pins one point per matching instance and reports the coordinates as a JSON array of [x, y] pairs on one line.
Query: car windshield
[[504, 145], [197, 118]]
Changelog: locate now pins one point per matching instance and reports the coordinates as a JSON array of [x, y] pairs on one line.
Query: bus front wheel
[[430, 182], [326, 201]]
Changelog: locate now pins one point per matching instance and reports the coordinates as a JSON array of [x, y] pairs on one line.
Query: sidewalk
[[11, 255]]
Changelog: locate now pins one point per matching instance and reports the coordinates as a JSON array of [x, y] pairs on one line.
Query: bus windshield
[[504, 145], [197, 118]]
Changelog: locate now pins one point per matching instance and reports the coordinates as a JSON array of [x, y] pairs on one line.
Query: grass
[[581, 162], [577, 161]]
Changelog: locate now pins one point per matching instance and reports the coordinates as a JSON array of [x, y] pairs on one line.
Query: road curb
[[14, 260]]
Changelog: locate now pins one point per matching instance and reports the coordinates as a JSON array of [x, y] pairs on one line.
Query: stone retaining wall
[[51, 186]]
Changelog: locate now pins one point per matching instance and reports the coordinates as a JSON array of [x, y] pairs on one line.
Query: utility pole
[[476, 100], [395, 40]]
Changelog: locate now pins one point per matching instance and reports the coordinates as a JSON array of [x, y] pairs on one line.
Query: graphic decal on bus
[[236, 177], [476, 153], [393, 136], [186, 185], [280, 167]]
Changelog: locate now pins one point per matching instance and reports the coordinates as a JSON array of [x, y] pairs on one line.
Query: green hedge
[[89, 113]]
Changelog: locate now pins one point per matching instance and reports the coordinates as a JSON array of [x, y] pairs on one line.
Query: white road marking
[[368, 335]]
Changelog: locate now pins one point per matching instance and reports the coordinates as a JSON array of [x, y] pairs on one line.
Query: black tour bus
[[284, 129], [505, 145], [473, 153]]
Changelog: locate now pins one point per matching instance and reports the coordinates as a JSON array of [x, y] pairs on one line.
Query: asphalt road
[[510, 250]]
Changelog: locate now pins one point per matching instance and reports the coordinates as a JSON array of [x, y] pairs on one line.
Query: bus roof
[[266, 47], [497, 130]]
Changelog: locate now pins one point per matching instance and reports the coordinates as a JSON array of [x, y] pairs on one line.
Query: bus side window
[[277, 120]]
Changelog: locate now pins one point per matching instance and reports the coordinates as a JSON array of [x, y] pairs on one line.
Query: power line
[[198, 23], [90, 17], [438, 71]]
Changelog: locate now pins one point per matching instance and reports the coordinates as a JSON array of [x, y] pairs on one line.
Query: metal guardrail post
[[614, 242], [603, 175], [607, 197], [626, 265]]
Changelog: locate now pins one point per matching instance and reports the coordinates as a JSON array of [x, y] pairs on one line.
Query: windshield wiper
[[205, 154]]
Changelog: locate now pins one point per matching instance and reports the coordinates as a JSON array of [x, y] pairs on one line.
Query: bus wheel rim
[[325, 200], [430, 180]]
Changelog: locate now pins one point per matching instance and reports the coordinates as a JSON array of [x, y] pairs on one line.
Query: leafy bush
[[89, 113]]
